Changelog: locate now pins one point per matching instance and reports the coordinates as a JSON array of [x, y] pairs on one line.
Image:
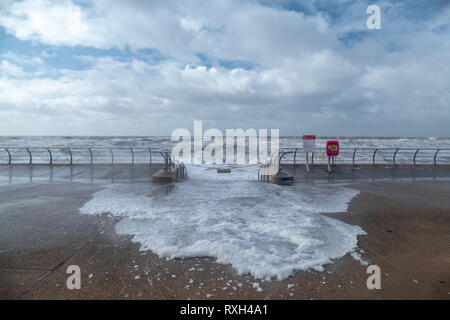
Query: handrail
[[9, 156], [317, 149], [374, 152], [366, 148], [415, 154], [10, 150], [395, 155], [112, 155], [150, 151], [31, 157], [71, 158], [51, 158], [92, 158], [435, 155], [373, 158], [352, 156]]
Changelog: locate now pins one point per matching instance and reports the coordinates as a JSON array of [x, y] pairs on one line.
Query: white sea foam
[[262, 229]]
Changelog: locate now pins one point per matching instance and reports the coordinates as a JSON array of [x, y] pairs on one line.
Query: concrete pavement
[[41, 233]]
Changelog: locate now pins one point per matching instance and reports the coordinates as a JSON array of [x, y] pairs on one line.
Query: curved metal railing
[[373, 156], [273, 166], [170, 164], [140, 155], [79, 155], [370, 157]]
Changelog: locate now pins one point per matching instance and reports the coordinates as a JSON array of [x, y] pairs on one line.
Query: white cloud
[[54, 23], [225, 30], [10, 69], [304, 78]]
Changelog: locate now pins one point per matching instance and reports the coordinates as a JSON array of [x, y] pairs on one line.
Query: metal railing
[[275, 162], [273, 166], [373, 156], [182, 172], [88, 155], [132, 155], [171, 164]]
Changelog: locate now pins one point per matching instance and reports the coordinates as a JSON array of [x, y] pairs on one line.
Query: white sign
[[309, 143]]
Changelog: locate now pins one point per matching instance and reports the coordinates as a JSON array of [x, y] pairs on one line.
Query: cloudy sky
[[108, 67]]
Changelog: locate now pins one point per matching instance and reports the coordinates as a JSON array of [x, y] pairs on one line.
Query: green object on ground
[[223, 170]]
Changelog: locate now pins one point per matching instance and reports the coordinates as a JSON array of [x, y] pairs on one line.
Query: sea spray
[[260, 229]]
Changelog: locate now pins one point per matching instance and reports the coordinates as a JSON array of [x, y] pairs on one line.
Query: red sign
[[309, 137], [332, 148]]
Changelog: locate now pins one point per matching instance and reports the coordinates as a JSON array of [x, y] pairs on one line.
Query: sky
[[108, 67]]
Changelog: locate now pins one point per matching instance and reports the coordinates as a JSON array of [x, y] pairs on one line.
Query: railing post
[[29, 154], [112, 155], [70, 153], [279, 162], [150, 152], [295, 155], [92, 158], [307, 163], [9, 156], [280, 156], [312, 159], [166, 160], [395, 155], [51, 157], [353, 157], [132, 156], [373, 158], [435, 157], [415, 154]]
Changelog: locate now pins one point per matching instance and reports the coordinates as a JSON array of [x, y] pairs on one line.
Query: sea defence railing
[[273, 166], [10, 155], [369, 156], [355, 157], [171, 164]]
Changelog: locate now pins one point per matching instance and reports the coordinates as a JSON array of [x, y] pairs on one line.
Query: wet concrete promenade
[[405, 212]]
